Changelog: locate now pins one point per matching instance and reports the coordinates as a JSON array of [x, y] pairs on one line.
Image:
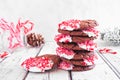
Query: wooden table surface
[[107, 66]]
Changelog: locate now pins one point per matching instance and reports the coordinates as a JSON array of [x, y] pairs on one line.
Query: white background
[[46, 14]]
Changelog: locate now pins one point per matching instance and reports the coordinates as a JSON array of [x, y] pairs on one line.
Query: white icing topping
[[63, 38], [66, 28], [63, 52], [66, 56], [35, 69], [89, 62], [90, 34], [66, 38], [88, 45], [37, 64], [70, 25]]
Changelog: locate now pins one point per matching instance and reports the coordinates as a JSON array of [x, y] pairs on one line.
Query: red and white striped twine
[[15, 31]]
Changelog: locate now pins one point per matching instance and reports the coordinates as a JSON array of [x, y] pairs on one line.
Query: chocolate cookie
[[83, 62], [41, 63], [87, 45], [73, 54], [83, 68], [34, 39], [67, 38], [71, 25], [68, 66], [91, 32], [83, 55]]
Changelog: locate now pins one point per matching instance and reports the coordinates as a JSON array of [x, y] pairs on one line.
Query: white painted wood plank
[[114, 59], [99, 60], [52, 75], [100, 72], [59, 75], [10, 68], [37, 76], [49, 48]]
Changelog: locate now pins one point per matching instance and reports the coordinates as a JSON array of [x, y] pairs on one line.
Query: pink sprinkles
[[63, 38], [42, 63], [61, 50], [66, 66], [90, 60], [74, 24], [88, 45]]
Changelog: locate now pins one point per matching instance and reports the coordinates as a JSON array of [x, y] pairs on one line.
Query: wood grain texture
[[59, 75], [100, 72], [10, 68], [113, 60]]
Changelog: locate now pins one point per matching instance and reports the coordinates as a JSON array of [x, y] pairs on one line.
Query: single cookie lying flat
[[41, 63], [67, 38], [77, 24], [91, 32], [73, 54], [83, 62], [68, 66], [87, 45]]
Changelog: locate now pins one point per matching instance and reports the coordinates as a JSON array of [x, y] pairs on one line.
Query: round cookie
[[83, 62], [84, 55], [41, 63], [72, 24], [67, 38], [71, 54], [87, 45], [81, 68], [68, 66], [91, 32]]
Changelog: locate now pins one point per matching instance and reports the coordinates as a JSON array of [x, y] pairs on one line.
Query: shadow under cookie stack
[[76, 41]]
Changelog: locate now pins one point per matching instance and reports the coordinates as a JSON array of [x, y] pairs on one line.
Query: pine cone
[[35, 40]]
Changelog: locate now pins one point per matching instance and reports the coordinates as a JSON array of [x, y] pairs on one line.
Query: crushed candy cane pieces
[[107, 50], [3, 55], [15, 31], [42, 64], [66, 53], [63, 38], [66, 66], [70, 24]]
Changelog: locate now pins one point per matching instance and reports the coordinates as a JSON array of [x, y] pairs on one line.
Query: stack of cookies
[[76, 41]]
